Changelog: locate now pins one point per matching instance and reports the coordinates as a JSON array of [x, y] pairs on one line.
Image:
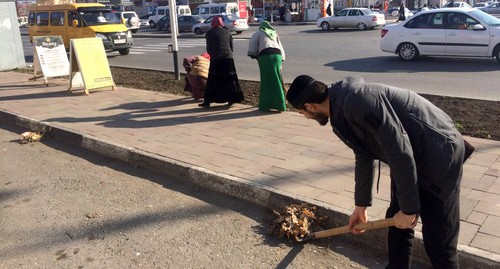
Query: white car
[[444, 32], [394, 12], [130, 19], [493, 8], [456, 4], [231, 21], [361, 18]]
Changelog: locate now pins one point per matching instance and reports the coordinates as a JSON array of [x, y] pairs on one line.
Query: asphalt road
[[62, 207]]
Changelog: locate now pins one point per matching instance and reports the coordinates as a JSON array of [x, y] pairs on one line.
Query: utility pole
[[173, 33], [272, 5]]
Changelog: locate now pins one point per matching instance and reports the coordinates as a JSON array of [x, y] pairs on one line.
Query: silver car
[[231, 21], [493, 8], [444, 32], [184, 23], [360, 18]]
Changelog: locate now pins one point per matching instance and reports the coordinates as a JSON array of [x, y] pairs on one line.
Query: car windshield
[[98, 16], [486, 18]]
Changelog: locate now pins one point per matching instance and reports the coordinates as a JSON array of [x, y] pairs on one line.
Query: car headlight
[[101, 36]]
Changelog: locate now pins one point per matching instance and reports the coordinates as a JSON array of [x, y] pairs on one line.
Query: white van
[[161, 11], [208, 10]]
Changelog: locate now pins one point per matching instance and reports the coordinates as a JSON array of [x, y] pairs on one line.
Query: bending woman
[[265, 45]]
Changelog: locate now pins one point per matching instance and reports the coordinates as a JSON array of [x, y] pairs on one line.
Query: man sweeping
[[420, 144]]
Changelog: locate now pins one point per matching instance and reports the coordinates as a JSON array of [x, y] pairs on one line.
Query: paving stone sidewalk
[[253, 154]]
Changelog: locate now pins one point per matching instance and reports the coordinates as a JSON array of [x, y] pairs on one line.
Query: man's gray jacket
[[396, 126]]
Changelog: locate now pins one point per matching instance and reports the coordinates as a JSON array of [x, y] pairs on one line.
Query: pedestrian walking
[[417, 140], [265, 46], [282, 12], [402, 15], [222, 83], [329, 10]]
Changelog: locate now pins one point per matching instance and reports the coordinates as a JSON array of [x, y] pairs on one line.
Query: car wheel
[[361, 26], [198, 31], [152, 24], [497, 53], [124, 51], [325, 26], [407, 51], [135, 31], [158, 27]]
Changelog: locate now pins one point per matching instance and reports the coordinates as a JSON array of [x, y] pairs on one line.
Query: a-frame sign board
[[89, 65], [49, 59]]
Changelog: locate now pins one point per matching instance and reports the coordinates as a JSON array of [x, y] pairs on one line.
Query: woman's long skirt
[[222, 84], [272, 94]]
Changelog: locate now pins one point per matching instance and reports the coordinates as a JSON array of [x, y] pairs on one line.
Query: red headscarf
[[217, 21], [206, 55]]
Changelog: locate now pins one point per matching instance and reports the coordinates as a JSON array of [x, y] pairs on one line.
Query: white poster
[[51, 56]]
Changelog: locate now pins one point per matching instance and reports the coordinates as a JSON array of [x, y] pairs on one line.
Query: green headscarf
[[268, 29]]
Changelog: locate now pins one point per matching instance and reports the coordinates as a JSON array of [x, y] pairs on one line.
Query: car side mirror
[[74, 23], [478, 27]]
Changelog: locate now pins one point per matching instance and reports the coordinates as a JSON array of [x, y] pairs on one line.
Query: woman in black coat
[[222, 84], [402, 15]]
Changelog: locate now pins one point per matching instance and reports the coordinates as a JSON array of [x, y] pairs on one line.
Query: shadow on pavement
[[392, 64]]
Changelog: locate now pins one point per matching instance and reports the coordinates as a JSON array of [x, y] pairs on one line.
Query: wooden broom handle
[[371, 225]]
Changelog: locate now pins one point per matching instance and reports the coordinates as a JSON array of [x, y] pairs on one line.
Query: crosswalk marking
[[159, 47], [145, 49]]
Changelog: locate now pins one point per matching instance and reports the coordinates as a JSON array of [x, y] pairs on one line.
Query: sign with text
[[50, 57], [88, 59]]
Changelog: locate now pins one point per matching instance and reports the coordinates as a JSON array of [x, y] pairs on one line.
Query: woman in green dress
[[265, 46]]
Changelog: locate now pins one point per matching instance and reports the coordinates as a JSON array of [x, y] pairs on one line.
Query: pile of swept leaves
[[29, 137], [296, 221]]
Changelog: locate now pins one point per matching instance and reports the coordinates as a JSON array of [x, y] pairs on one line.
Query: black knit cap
[[295, 94]]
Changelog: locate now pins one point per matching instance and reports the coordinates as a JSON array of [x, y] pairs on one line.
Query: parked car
[[144, 20], [418, 9], [394, 12], [130, 19], [184, 23], [260, 18], [493, 8], [478, 5], [444, 32], [390, 12], [361, 18], [456, 4], [161, 11], [231, 21]]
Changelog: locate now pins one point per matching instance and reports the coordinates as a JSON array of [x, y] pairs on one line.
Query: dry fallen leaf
[[92, 215], [28, 137], [296, 221]]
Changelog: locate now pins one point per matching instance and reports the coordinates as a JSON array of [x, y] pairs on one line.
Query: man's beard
[[320, 118]]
